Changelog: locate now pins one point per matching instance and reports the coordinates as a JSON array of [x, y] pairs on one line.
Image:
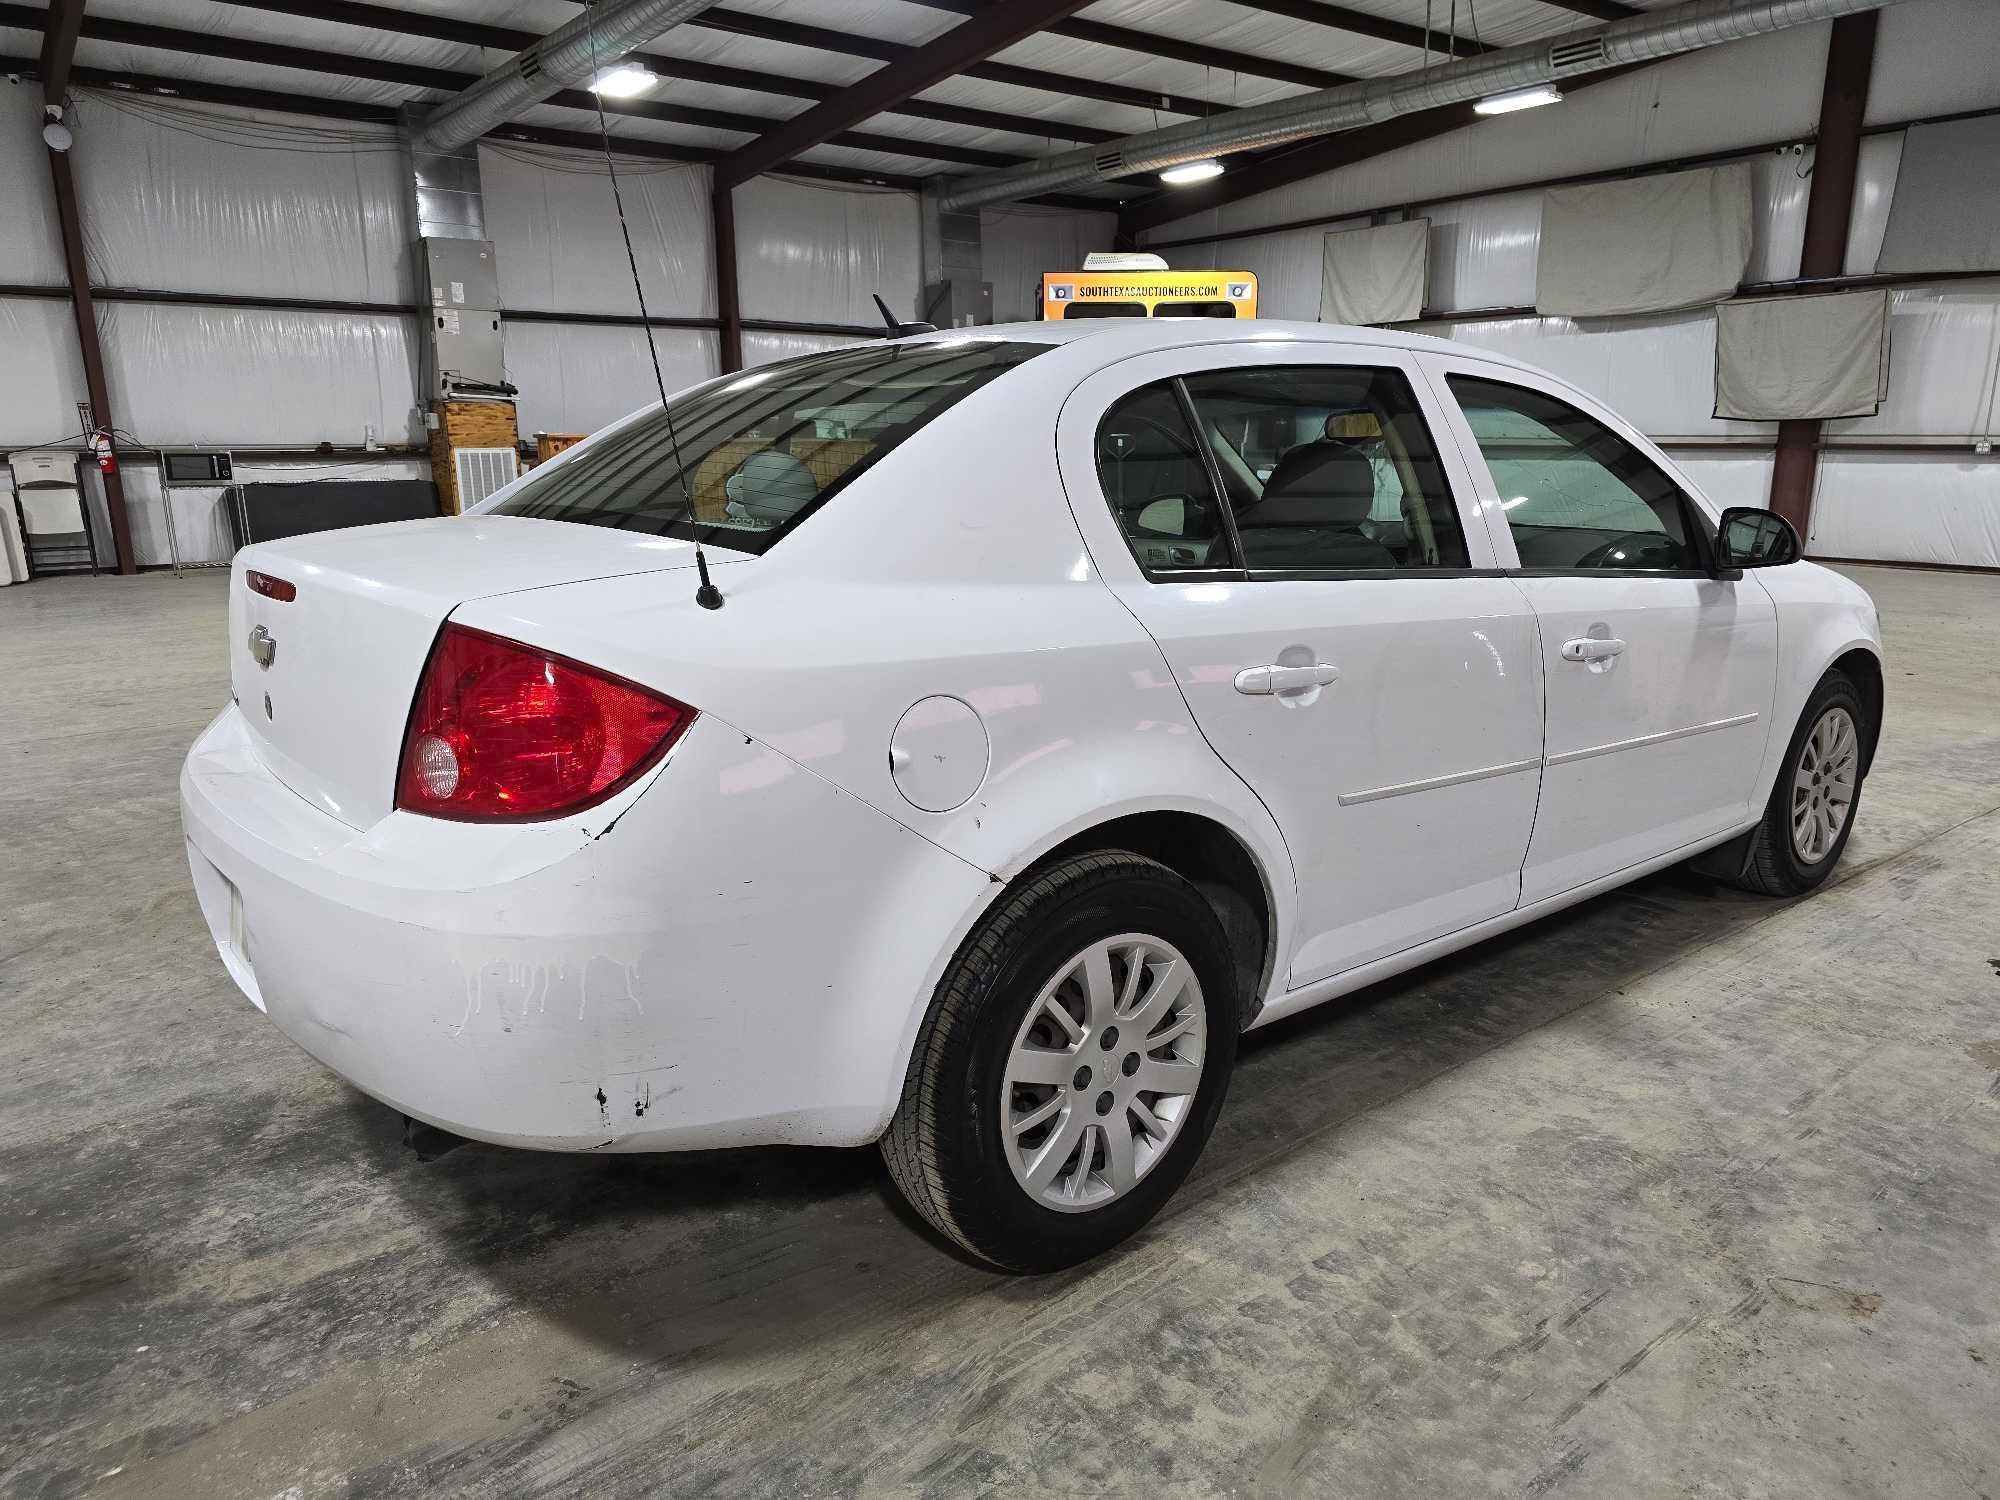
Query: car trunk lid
[[325, 678]]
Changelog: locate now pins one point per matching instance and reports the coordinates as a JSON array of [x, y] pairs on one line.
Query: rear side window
[[1330, 468], [1577, 496], [1153, 474], [762, 451]]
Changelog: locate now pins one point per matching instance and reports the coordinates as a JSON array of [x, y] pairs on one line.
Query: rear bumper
[[728, 953]]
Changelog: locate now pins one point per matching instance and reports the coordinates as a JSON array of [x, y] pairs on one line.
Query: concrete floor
[[1684, 1193]]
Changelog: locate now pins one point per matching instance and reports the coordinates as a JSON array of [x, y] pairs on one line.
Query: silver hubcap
[[1103, 1072], [1823, 787]]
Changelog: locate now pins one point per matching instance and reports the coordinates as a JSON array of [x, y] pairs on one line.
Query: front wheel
[[1072, 1065], [1811, 811]]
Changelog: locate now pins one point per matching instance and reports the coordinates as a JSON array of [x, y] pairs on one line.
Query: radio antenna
[[708, 596]]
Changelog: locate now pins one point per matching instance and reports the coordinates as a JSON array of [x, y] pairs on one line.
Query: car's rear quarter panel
[[698, 962]]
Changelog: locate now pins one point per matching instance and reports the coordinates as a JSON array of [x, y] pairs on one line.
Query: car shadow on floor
[[669, 1257]]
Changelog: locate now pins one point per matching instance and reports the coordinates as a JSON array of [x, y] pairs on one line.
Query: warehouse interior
[[1678, 1192]]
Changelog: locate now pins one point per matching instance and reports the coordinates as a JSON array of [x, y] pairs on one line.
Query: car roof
[[1120, 338]]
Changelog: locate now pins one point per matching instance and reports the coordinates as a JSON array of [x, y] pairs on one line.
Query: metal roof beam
[[387, 70], [1328, 153], [1361, 23], [761, 80], [1150, 44], [968, 43], [825, 39]]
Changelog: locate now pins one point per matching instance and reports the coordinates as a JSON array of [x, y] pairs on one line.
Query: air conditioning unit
[[481, 471]]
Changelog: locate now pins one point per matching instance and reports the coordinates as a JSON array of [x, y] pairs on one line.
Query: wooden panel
[[468, 424]]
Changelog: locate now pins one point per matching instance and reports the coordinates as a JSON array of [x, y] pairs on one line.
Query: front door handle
[[1274, 679], [1592, 648]]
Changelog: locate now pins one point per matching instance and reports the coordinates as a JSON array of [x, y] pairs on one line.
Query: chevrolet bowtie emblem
[[263, 647]]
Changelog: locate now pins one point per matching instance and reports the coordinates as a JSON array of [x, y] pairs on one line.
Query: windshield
[[760, 452]]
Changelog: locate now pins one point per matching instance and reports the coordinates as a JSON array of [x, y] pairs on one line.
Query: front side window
[[760, 452], [1329, 467], [1576, 495]]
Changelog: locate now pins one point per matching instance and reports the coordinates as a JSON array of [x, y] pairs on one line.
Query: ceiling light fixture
[[1513, 99], [54, 132], [623, 80], [1191, 171]]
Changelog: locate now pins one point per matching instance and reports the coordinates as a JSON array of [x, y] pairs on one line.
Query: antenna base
[[708, 596]]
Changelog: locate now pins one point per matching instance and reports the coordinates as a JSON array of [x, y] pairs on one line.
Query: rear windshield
[[760, 452]]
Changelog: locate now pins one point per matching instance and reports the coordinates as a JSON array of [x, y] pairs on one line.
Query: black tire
[[1774, 867], [944, 1147]]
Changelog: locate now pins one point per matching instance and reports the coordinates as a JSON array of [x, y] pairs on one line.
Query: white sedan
[[1071, 698]]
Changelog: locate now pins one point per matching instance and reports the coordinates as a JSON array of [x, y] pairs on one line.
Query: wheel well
[[1864, 669], [1215, 862]]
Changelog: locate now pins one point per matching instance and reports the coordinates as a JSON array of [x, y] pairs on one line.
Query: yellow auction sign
[[1149, 294]]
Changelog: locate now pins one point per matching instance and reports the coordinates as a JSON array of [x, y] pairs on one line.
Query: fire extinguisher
[[100, 444]]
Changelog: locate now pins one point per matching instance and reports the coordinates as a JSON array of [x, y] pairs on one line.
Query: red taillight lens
[[269, 587], [505, 731]]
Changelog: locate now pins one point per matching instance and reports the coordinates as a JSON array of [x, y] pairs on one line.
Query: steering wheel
[[1633, 549]]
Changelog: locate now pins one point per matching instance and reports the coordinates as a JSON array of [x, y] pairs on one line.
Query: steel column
[[728, 304], [93, 353], [59, 35], [1850, 58]]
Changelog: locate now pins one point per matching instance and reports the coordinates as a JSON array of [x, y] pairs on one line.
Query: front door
[[1288, 532], [1660, 675]]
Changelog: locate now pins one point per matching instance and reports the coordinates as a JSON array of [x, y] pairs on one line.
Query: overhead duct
[[565, 58], [1637, 39]]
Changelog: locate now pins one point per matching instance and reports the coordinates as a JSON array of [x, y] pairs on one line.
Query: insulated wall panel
[[30, 248], [41, 372], [198, 375], [1018, 242], [1287, 266], [1944, 342], [1657, 371], [1741, 95], [1908, 508], [767, 347], [1483, 252], [814, 253], [577, 377], [179, 198], [555, 233], [1727, 478]]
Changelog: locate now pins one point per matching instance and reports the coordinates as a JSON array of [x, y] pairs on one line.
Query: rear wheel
[[1811, 811], [1072, 1064]]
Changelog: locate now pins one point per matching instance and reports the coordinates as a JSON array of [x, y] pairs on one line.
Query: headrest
[[1316, 484]]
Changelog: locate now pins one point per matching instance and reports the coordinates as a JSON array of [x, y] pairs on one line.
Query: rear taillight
[[504, 731]]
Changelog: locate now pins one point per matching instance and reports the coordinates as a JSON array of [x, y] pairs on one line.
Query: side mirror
[[1754, 538]]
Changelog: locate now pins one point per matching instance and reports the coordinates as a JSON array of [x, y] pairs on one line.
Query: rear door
[[1660, 675], [1282, 522]]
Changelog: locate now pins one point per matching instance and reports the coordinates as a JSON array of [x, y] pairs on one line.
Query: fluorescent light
[[1191, 171], [622, 81], [1513, 99]]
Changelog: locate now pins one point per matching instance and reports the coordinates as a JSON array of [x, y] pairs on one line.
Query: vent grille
[[1109, 163], [481, 471], [530, 65], [1572, 57]]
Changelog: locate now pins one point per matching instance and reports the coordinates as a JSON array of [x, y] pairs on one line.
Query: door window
[[1153, 474], [1328, 468], [1577, 497]]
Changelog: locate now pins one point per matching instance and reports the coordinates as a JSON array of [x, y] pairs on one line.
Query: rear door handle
[[1264, 681], [1592, 648]]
